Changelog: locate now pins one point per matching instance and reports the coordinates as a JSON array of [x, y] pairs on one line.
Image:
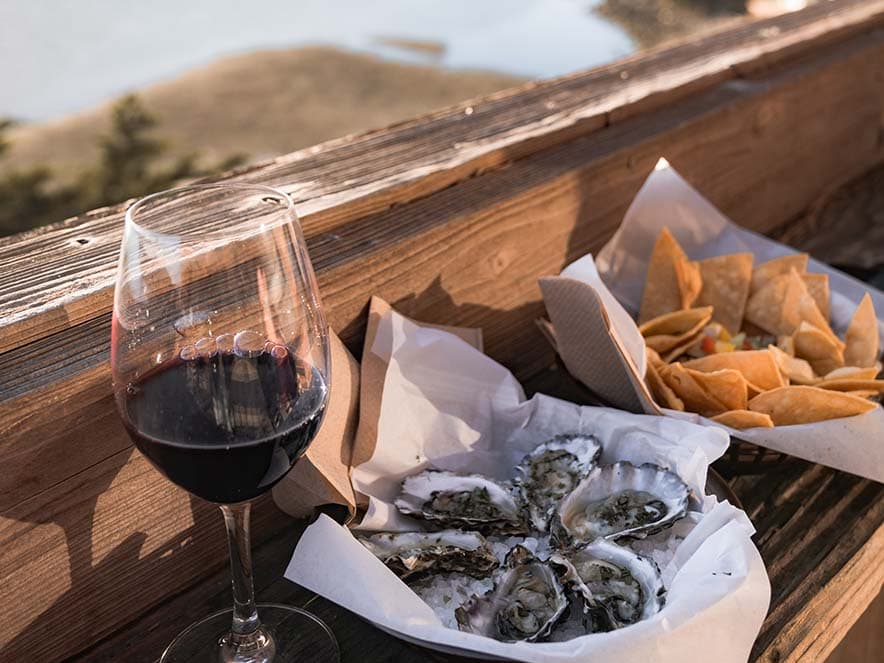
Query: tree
[[128, 168], [130, 165], [27, 194], [4, 125]]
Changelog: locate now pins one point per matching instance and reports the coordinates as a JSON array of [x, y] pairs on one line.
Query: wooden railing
[[452, 217]]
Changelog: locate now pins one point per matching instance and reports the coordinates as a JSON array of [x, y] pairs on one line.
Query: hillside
[[262, 104]]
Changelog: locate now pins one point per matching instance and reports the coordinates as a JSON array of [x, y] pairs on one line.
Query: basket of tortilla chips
[[752, 346], [713, 322]]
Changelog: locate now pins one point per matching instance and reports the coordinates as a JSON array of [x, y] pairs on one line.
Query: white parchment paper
[[853, 444], [447, 405]]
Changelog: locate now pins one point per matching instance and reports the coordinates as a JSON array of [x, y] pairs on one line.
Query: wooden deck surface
[[820, 532], [452, 218]]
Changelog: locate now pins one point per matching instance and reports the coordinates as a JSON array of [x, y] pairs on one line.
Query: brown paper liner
[[349, 431], [322, 476]]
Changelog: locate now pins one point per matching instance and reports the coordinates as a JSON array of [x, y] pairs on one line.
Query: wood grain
[[865, 640], [845, 225], [106, 543], [84, 522], [820, 533], [820, 538]]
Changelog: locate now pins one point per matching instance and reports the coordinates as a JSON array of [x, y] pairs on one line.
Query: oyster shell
[[618, 586], [525, 604], [468, 501], [621, 500], [411, 553], [552, 471]]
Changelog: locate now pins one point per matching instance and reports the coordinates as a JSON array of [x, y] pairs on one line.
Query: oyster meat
[[621, 500], [467, 501], [552, 471], [412, 553], [525, 604], [618, 586]]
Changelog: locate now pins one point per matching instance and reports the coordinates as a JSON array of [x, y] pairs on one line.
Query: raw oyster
[[552, 471], [618, 586], [411, 553], [468, 501], [525, 604], [621, 500]]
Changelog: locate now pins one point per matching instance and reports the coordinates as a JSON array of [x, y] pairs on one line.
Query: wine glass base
[[296, 635]]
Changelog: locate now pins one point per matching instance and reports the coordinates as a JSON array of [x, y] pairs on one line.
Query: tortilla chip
[[653, 357], [664, 344], [787, 345], [799, 299], [759, 367], [823, 355], [764, 306], [798, 371], [677, 322], [782, 304], [690, 282], [682, 348], [707, 394], [663, 284], [804, 405], [663, 394], [854, 372], [726, 282], [742, 419], [777, 267], [818, 287], [851, 384], [862, 335], [864, 393], [675, 329], [752, 390]]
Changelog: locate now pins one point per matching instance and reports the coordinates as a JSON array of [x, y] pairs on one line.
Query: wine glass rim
[[193, 188]]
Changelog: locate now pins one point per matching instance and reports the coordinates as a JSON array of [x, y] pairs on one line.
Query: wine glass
[[220, 360]]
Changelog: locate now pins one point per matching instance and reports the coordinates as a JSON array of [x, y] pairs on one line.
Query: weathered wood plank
[[821, 534], [865, 639], [350, 178], [107, 543], [840, 228], [820, 538], [846, 598], [145, 637]]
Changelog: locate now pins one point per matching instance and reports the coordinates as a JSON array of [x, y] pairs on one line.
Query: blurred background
[[101, 101]]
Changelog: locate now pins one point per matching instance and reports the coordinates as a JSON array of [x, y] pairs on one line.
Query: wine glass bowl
[[220, 361]]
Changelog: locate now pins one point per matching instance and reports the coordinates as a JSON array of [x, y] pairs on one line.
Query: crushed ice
[[445, 592]]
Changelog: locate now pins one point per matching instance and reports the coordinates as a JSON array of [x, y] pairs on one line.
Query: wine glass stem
[[245, 615]]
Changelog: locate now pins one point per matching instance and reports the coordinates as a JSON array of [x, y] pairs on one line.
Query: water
[[58, 58]]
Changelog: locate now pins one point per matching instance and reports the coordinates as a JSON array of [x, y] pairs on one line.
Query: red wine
[[223, 426]]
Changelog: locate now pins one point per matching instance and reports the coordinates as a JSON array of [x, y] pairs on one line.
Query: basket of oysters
[[502, 527]]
